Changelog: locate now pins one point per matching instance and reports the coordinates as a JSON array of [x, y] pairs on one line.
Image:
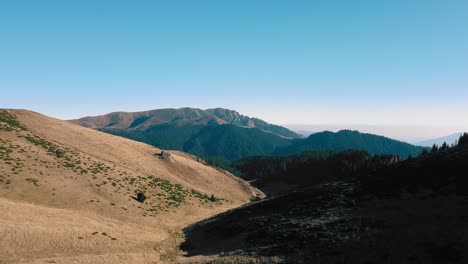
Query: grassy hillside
[[67, 194]]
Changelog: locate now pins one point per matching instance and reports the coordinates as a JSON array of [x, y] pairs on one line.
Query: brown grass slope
[[66, 194]]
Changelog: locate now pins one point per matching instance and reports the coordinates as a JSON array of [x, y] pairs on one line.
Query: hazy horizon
[[408, 133], [411, 134], [380, 64]]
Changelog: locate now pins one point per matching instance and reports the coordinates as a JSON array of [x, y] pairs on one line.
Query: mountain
[[450, 139], [68, 194], [226, 134], [233, 142], [208, 133], [304, 133], [233, 117], [410, 211], [347, 139], [142, 121]]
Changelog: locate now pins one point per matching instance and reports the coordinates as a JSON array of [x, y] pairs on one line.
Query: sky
[[400, 66]]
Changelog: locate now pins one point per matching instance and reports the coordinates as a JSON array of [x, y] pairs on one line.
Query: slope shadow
[[324, 225], [271, 227]]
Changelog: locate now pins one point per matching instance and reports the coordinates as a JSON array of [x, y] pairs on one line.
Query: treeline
[[303, 169], [310, 167], [441, 169]]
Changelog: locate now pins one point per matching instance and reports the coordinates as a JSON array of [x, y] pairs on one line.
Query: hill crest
[[186, 116], [82, 181]]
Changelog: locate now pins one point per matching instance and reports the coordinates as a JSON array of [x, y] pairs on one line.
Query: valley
[[72, 195], [233, 132]]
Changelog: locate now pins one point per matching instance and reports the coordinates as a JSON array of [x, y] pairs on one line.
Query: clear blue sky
[[397, 62]]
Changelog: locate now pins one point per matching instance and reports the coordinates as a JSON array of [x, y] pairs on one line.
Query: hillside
[[67, 194], [410, 211], [278, 175], [234, 118], [347, 139], [233, 142], [142, 121], [225, 134], [195, 131]]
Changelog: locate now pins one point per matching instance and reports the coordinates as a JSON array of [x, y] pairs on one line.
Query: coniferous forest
[[348, 207]]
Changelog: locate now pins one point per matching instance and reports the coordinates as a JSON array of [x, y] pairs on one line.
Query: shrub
[[141, 197]]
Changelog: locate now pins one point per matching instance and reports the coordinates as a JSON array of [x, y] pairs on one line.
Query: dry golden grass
[[65, 194]]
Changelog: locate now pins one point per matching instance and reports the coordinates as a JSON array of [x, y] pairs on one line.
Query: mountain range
[[229, 135], [70, 194]]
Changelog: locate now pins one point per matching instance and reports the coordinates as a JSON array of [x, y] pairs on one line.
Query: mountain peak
[[180, 117]]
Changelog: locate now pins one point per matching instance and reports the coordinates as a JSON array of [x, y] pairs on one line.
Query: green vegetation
[[64, 157], [200, 196], [442, 171], [235, 118], [220, 144], [160, 194], [13, 165], [175, 194], [315, 167], [347, 139], [183, 130], [9, 122], [33, 181], [229, 142], [348, 206], [233, 142]]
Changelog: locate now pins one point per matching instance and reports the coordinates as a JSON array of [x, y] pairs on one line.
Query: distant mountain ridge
[[226, 134], [450, 139], [180, 117], [349, 139]]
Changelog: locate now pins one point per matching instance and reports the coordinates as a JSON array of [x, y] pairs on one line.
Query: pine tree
[[444, 146], [424, 153], [463, 141]]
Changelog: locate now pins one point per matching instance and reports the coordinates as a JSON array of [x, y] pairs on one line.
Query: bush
[[141, 197]]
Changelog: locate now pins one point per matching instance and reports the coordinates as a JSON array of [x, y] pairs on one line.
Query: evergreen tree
[[463, 141], [425, 152], [444, 146]]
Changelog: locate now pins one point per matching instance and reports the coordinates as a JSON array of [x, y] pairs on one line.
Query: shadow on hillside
[[324, 225]]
